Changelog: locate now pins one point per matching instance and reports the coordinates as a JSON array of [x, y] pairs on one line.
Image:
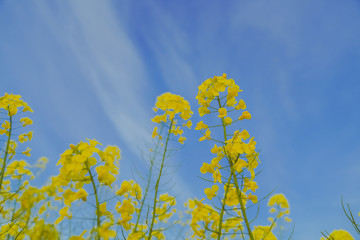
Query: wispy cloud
[[171, 49], [110, 62]]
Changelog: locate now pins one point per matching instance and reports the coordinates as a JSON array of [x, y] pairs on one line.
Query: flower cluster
[[11, 103], [233, 165], [172, 105], [77, 161], [88, 174]]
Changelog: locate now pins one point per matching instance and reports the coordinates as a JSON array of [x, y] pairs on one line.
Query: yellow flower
[[201, 125], [340, 234], [241, 105], [173, 104], [206, 136], [249, 185], [5, 125], [217, 176], [278, 199], [27, 152], [203, 110], [125, 187], [42, 209], [261, 231], [181, 139], [222, 112], [106, 233], [188, 124], [205, 168], [130, 187], [25, 137], [12, 103], [154, 134], [216, 149], [239, 165], [81, 194], [252, 198], [211, 192], [63, 213], [245, 115], [227, 121], [80, 237], [26, 121]]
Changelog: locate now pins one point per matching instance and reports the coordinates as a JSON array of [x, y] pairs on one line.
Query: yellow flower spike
[[227, 120], [222, 112], [288, 219], [27, 152], [245, 115], [241, 105]]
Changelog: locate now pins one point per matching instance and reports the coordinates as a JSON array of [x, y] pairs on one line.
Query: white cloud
[[109, 61]]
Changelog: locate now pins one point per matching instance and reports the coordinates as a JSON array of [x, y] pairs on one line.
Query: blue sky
[[93, 70]]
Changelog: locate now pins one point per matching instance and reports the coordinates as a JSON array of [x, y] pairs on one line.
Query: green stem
[[6, 155], [146, 189], [158, 181], [238, 192], [97, 202], [223, 207]]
